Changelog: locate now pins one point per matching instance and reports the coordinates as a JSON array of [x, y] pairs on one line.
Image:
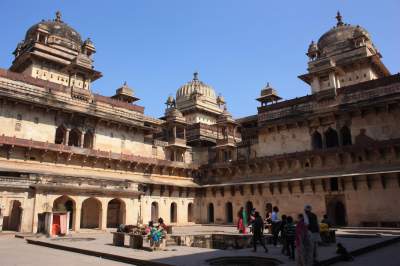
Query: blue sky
[[236, 46]]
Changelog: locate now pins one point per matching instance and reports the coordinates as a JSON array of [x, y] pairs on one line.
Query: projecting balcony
[[177, 142], [228, 142]]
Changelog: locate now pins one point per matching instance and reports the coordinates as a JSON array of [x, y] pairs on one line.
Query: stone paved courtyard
[[15, 251]]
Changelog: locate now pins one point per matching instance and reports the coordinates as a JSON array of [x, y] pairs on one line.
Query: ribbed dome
[[340, 36], [58, 28], [195, 85]]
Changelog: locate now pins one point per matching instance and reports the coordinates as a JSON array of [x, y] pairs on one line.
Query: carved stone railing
[[12, 142]]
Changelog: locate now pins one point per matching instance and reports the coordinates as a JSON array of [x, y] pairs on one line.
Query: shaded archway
[[331, 138], [13, 221], [60, 135], [173, 213], [210, 213], [229, 212], [316, 140], [115, 213], [249, 207], [65, 203], [336, 211], [74, 138], [154, 212], [190, 212], [88, 140], [268, 209], [91, 213], [346, 136]]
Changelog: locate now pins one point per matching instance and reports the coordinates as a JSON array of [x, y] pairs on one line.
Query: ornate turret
[[125, 94], [268, 95], [343, 56]]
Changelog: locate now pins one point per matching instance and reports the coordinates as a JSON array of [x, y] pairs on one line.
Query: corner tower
[[345, 55], [55, 52]]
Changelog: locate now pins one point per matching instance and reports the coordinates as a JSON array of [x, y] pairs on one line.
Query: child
[[290, 234]]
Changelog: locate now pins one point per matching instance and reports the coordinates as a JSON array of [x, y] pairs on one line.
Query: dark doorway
[[346, 136], [88, 140], [115, 213], [190, 212], [173, 213], [74, 138], [210, 213], [60, 135], [229, 212], [14, 220], [316, 140], [336, 210], [331, 138]]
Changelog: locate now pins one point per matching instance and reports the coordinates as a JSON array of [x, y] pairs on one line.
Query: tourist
[[283, 236], [162, 224], [241, 224], [311, 221], [326, 220], [290, 235], [154, 234], [268, 222], [252, 218], [258, 232], [276, 224], [303, 243]]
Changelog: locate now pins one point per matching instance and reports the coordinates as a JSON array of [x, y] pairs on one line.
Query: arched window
[[229, 212], [60, 135], [346, 136], [210, 213], [88, 140], [173, 213], [74, 138], [331, 138], [316, 140]]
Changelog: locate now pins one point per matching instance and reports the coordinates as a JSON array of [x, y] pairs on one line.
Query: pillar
[[77, 217], [66, 136], [174, 132], [103, 216], [82, 139]]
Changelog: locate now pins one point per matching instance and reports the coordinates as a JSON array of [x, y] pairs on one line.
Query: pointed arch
[[331, 138], [316, 140], [115, 213], [173, 213], [346, 136]]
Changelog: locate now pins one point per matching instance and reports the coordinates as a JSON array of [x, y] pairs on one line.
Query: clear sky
[[235, 45]]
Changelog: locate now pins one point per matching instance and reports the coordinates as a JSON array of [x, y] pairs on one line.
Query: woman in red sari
[[241, 226]]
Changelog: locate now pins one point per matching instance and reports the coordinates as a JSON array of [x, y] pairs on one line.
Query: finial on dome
[[196, 75], [58, 16], [339, 19]]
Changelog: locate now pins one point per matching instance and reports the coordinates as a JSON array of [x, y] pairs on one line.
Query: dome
[[195, 86], [57, 27], [339, 37]]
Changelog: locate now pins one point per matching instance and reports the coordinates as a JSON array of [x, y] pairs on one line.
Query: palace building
[[101, 160]]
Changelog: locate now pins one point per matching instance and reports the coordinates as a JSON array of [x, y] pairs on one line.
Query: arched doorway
[[346, 136], [88, 140], [14, 220], [337, 212], [190, 212], [268, 209], [154, 212], [211, 213], [91, 213], [74, 138], [173, 213], [229, 212], [115, 213], [331, 138], [316, 140], [60, 135], [65, 203], [249, 207]]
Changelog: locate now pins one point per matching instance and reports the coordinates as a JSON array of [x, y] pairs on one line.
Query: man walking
[[258, 232], [311, 221]]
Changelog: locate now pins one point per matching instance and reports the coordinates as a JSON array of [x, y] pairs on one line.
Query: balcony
[[177, 142], [228, 142]]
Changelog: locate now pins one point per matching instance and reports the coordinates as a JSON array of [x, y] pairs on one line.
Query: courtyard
[[95, 248]]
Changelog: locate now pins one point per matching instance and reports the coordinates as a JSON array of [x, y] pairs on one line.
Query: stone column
[[103, 218], [66, 136], [77, 218], [174, 132], [82, 139]]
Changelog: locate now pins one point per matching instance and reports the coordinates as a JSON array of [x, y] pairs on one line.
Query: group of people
[[299, 241], [156, 232]]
